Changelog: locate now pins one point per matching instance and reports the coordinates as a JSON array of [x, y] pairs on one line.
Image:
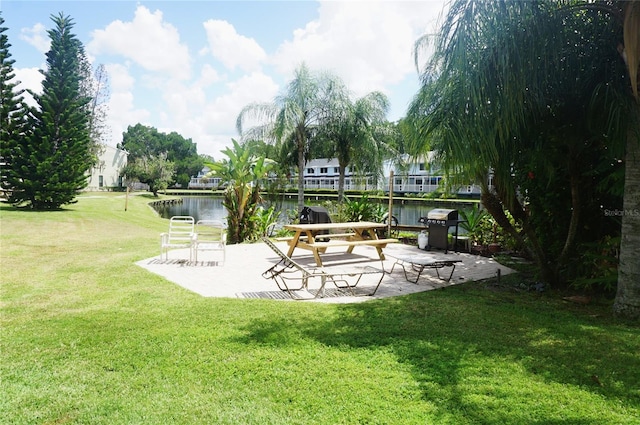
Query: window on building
[[100, 181], [422, 166], [310, 170], [336, 169], [323, 170]]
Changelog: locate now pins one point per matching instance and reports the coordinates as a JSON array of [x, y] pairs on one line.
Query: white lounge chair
[[211, 235], [180, 235]]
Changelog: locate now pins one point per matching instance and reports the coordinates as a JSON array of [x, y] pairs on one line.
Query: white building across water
[[106, 174], [323, 174]]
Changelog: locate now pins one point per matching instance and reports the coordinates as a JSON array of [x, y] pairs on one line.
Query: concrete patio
[[241, 274]]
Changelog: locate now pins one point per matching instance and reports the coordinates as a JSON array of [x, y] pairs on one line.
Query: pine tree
[[51, 160], [12, 109]]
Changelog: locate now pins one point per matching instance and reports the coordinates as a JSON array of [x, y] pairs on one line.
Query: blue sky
[[190, 66]]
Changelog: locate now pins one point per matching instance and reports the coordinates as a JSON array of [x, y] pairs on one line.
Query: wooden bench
[[320, 247], [351, 243], [287, 270], [320, 236]]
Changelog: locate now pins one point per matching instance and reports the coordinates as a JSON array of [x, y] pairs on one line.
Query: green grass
[[87, 337]]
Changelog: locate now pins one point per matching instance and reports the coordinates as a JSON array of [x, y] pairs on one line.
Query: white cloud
[[219, 125], [223, 111], [208, 76], [28, 78], [36, 36], [147, 40], [119, 77], [193, 112], [368, 44], [121, 109], [232, 49]]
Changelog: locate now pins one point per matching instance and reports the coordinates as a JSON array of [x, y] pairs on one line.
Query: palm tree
[[292, 117], [353, 132], [627, 301], [518, 83]]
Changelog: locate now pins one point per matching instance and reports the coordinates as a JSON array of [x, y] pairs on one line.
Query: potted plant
[[494, 246], [474, 227]]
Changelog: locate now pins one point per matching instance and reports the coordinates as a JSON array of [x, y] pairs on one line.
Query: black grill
[[439, 221], [312, 215]]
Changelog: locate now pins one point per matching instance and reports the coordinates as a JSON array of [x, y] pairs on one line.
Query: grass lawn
[[87, 337]]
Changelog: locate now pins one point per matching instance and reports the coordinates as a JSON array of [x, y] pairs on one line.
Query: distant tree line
[[158, 159]]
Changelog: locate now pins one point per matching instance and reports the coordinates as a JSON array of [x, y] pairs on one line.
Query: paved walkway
[[241, 274]]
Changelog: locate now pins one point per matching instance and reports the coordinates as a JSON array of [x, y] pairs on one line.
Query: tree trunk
[[341, 182], [576, 209], [627, 301], [494, 207], [300, 175]]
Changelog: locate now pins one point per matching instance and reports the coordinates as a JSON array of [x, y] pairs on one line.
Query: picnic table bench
[[319, 236]]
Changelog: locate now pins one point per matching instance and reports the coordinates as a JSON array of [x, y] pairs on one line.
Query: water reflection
[[211, 208], [198, 207]]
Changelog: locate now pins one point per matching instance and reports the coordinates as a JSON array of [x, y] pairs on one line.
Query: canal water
[[211, 208]]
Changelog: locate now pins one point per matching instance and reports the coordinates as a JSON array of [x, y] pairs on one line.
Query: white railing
[[204, 183], [351, 183]]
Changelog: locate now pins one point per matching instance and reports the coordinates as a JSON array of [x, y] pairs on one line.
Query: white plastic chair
[[211, 235], [180, 235]]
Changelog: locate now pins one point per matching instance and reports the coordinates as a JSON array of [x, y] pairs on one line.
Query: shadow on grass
[[6, 207], [451, 336]]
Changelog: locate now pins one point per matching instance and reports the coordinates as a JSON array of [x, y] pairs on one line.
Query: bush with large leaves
[[242, 173]]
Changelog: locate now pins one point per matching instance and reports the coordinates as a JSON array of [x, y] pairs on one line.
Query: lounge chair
[[286, 271], [417, 263]]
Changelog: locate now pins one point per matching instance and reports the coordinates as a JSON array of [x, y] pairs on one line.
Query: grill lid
[[442, 214]]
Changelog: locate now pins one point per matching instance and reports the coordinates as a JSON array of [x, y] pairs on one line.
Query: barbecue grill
[[311, 215], [439, 221]]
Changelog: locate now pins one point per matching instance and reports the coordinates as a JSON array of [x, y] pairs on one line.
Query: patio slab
[[241, 274]]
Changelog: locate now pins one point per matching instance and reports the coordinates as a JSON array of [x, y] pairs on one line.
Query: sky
[[191, 66]]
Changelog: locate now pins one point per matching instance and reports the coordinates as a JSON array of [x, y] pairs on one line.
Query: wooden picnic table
[[314, 237]]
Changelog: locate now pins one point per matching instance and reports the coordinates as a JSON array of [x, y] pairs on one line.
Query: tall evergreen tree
[[11, 105], [49, 163]]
